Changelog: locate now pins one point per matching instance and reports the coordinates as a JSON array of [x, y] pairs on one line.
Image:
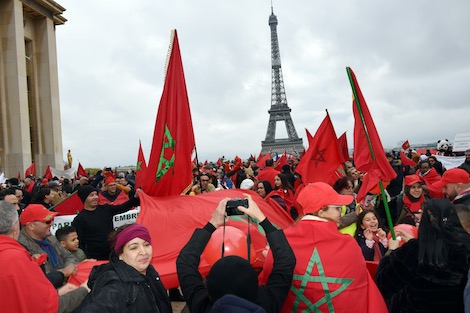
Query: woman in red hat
[[330, 273], [409, 204]]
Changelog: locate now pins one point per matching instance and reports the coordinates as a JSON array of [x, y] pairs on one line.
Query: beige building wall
[[29, 88]]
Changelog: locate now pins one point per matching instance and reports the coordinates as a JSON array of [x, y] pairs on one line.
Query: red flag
[[282, 160], [48, 174], [81, 171], [219, 162], [31, 170], [19, 176], [405, 145], [405, 160], [70, 205], [343, 146], [169, 171], [179, 216], [262, 160], [141, 168], [369, 154], [322, 159]]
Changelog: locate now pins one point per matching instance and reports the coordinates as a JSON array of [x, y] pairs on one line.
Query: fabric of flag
[[343, 146], [262, 160], [18, 175], [369, 154], [81, 171], [169, 171], [31, 170], [330, 274], [405, 145], [219, 162], [70, 205], [141, 168], [406, 160], [323, 157], [48, 174], [172, 220]]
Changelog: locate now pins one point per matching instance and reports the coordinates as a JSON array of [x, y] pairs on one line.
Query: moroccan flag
[[18, 176], [343, 146], [405, 145], [141, 168], [406, 160], [281, 161], [262, 160], [323, 157], [70, 205], [219, 162], [169, 171], [179, 216], [48, 174], [81, 171], [31, 170], [369, 154]]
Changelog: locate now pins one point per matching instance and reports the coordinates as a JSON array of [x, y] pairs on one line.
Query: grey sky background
[[411, 58]]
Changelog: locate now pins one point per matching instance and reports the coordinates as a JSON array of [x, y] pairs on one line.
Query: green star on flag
[[321, 278], [166, 163]]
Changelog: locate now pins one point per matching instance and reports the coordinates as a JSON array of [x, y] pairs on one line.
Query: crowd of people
[[319, 264]]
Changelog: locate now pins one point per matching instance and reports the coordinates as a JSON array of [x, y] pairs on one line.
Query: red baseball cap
[[318, 195], [455, 175], [410, 180], [36, 212]]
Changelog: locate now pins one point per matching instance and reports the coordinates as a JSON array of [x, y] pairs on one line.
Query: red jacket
[[23, 285], [330, 274]]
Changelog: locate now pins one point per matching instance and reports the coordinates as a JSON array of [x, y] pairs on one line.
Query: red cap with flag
[[317, 195], [455, 176]]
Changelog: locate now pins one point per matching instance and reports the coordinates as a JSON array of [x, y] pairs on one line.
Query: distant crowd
[[319, 264]]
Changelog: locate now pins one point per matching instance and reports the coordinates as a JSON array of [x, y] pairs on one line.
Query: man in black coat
[[233, 274]]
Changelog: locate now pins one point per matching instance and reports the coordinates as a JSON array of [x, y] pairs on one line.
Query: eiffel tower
[[279, 111]]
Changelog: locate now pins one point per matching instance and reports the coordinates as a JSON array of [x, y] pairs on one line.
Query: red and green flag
[[369, 154], [140, 168], [322, 158], [169, 171]]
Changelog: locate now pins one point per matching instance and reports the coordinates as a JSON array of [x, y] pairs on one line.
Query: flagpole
[[382, 190]]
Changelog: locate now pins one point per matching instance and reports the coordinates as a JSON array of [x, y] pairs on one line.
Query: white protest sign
[[118, 220], [461, 142]]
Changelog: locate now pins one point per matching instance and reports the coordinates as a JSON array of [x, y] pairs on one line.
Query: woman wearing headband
[[128, 283]]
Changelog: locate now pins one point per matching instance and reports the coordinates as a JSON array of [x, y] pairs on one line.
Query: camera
[[109, 169], [232, 206]]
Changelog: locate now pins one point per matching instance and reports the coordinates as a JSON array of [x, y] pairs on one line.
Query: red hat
[[109, 180], [410, 180], [318, 195], [455, 175], [36, 212]]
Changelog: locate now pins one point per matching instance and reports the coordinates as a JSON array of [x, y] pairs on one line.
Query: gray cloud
[[410, 57]]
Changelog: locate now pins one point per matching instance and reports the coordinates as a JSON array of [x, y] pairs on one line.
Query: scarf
[[47, 246], [377, 252], [414, 206]]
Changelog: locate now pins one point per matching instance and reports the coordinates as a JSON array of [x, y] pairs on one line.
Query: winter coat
[[410, 287], [118, 287]]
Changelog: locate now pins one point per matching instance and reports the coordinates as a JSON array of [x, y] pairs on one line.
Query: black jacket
[[118, 287], [271, 296], [409, 287]]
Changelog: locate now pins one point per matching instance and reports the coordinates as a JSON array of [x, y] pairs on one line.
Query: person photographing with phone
[[233, 274]]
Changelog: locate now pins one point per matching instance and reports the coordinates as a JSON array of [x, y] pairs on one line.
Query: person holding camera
[[233, 274]]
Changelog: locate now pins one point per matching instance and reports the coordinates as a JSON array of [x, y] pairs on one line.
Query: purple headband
[[129, 233]]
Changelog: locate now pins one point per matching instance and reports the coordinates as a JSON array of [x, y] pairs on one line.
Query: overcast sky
[[411, 58]]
